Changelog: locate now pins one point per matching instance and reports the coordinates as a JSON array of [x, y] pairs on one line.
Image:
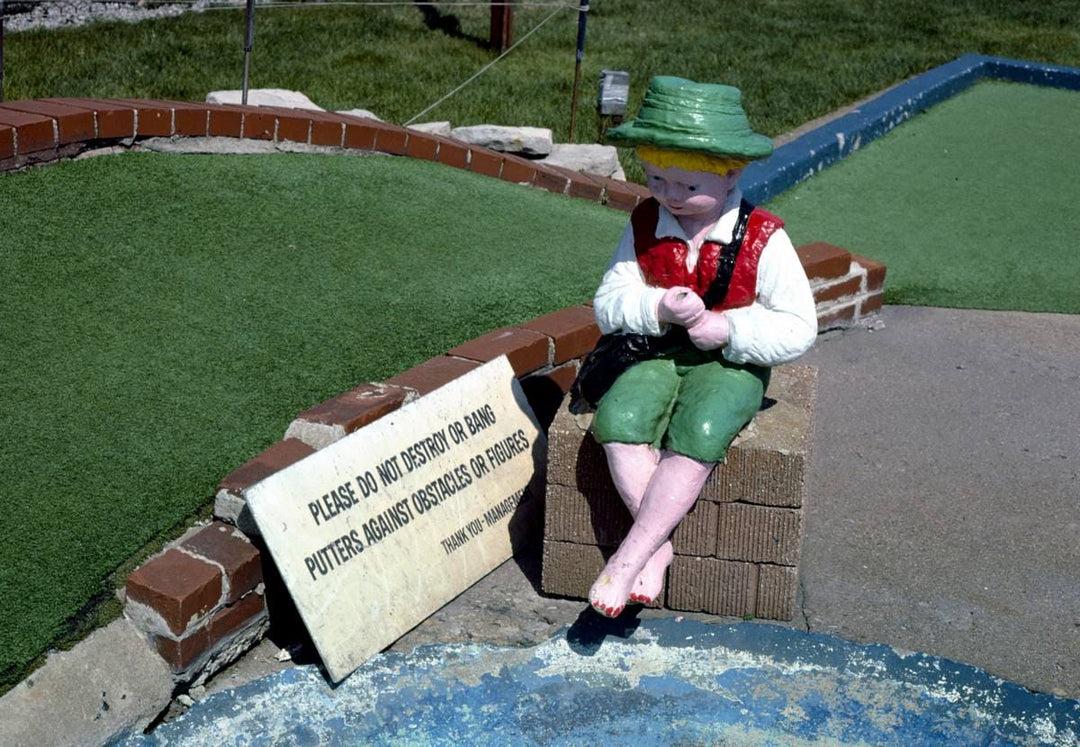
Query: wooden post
[[502, 25]]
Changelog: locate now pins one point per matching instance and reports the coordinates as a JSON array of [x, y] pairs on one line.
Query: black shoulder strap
[[726, 266]]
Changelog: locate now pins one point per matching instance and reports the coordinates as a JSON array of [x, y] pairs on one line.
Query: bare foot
[[611, 589], [650, 582]]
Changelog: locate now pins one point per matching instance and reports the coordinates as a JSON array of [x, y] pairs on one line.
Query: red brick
[[391, 139], [7, 142], [361, 133], [356, 407], [432, 374], [225, 120], [421, 145], [294, 128], [235, 617], [517, 170], [188, 118], [153, 118], [74, 124], [840, 317], [223, 544], [848, 287], [619, 195], [821, 260], [33, 132], [181, 653], [872, 304], [551, 180], [259, 125], [581, 185], [484, 161], [875, 273], [113, 120], [527, 350], [327, 130], [177, 586], [276, 458], [573, 330], [453, 153], [562, 377]]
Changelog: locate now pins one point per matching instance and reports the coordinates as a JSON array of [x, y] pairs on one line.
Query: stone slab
[[530, 141], [265, 97], [375, 532], [110, 682]]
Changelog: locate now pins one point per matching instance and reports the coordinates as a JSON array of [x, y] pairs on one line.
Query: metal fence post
[[583, 14], [249, 41]]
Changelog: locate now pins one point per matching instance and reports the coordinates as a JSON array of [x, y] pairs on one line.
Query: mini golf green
[[165, 317], [972, 204]]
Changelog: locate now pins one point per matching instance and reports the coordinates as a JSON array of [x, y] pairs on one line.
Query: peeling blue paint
[[792, 162], [657, 681]]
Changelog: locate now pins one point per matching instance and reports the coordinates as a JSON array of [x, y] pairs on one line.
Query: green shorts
[[689, 402]]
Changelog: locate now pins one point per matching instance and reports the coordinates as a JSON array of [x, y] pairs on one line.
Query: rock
[[599, 160], [110, 682], [265, 97], [433, 128], [527, 141], [362, 113]]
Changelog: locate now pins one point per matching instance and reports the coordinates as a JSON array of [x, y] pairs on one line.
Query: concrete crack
[[802, 605]]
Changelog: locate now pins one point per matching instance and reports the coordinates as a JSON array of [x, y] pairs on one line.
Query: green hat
[[680, 114]]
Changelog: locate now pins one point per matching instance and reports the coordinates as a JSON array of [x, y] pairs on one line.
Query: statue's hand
[[680, 306], [710, 331]]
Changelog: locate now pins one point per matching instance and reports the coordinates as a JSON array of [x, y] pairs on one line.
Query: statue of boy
[[704, 294]]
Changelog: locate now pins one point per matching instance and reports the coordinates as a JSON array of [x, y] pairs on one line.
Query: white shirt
[[778, 327]]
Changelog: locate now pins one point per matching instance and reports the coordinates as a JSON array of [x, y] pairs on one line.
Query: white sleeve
[[623, 302], [781, 324]]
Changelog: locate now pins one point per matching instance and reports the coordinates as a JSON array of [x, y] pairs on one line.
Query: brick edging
[[43, 130]]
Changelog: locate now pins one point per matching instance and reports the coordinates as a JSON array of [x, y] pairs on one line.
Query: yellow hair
[[663, 158]]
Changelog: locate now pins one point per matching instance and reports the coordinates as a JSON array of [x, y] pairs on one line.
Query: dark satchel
[[612, 355]]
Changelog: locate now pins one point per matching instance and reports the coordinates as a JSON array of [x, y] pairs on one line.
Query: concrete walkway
[[945, 499], [943, 518]]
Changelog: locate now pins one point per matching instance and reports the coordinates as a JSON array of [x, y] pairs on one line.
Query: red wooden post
[[502, 25]]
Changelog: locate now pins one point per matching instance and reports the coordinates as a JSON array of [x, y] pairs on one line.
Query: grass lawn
[[165, 317], [970, 205], [794, 59]]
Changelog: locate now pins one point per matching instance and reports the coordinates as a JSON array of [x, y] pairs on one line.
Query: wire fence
[[88, 8]]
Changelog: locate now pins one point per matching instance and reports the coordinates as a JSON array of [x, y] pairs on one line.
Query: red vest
[[663, 260]]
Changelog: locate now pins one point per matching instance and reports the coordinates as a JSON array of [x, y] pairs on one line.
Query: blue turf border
[[818, 149]]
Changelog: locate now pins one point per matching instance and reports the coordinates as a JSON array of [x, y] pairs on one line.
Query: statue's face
[[691, 194]]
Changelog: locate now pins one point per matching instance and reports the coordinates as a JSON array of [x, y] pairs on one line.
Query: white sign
[[378, 530]]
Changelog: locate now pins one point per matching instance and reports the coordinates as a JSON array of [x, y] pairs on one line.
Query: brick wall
[[201, 599]]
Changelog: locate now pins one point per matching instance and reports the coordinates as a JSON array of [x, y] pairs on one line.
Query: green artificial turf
[[972, 204], [794, 59], [165, 317]]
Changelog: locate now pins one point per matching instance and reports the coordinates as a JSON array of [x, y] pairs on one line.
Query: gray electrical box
[[614, 93]]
